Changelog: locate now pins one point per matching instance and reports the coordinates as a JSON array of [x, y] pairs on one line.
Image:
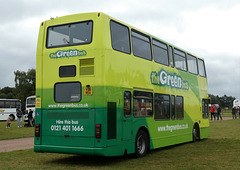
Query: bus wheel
[[195, 133], [141, 144], [12, 117]]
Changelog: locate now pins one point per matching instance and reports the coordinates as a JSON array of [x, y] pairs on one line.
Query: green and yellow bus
[[106, 88]]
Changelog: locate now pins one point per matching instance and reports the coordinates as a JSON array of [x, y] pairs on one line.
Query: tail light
[[98, 131], [37, 130]]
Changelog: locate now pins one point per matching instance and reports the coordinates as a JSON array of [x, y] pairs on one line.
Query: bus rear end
[[67, 75]]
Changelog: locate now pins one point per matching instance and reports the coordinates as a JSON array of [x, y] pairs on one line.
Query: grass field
[[220, 151], [14, 132]]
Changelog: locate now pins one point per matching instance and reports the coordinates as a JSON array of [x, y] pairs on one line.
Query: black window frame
[[129, 41], [146, 36], [68, 45], [166, 50], [189, 55], [177, 53], [134, 97], [80, 89], [169, 112]]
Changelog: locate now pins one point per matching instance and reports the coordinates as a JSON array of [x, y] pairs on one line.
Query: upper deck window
[[69, 34], [141, 45], [160, 52], [120, 37], [192, 64], [180, 60], [201, 68]]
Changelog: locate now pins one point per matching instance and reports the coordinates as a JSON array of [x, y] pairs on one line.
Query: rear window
[[69, 34], [68, 92]]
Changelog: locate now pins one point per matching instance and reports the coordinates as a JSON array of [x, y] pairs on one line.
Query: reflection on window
[[10, 104], [160, 52], [142, 104], [192, 64], [1, 104], [120, 37], [67, 92], [180, 60], [162, 107], [141, 45], [31, 102], [201, 68], [179, 107], [67, 71], [205, 109], [127, 104], [70, 34]]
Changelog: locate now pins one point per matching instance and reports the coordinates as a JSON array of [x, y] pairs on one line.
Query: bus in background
[[30, 104], [106, 88], [9, 107]]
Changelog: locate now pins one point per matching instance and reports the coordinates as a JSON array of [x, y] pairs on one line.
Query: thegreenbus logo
[[68, 53], [163, 78]]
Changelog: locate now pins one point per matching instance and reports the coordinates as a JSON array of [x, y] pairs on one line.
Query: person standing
[[8, 122], [30, 117], [219, 110], [212, 110], [19, 118], [234, 113]]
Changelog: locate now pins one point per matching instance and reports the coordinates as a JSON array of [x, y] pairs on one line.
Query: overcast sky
[[209, 29]]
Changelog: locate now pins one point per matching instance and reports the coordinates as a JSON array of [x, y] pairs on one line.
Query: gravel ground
[[16, 144]]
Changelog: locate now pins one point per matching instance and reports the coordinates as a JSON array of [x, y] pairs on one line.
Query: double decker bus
[[9, 107], [106, 88]]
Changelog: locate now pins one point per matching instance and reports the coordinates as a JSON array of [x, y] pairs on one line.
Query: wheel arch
[[196, 126], [145, 129]]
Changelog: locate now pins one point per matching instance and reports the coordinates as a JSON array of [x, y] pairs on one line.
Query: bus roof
[[74, 17]]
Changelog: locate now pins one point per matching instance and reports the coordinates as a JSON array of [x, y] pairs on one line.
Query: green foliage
[[7, 93], [224, 101], [25, 84]]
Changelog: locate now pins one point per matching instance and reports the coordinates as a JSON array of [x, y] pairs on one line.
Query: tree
[[7, 93], [224, 101], [24, 84]]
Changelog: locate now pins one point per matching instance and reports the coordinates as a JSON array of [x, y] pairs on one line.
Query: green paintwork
[[70, 127]]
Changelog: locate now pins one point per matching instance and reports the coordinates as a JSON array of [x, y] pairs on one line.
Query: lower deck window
[[142, 104], [162, 107], [179, 107], [205, 110], [67, 92]]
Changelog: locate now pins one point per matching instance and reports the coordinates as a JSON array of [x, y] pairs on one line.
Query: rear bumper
[[109, 151]]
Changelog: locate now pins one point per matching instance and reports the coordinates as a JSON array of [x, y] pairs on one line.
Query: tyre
[[12, 117], [195, 133], [141, 144]]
